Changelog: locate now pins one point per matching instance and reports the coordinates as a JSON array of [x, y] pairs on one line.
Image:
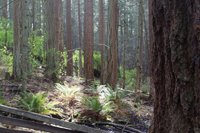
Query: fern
[[37, 103]]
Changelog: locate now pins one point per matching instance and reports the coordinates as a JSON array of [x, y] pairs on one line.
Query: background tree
[[17, 46], [89, 63], [25, 14], [140, 45], [175, 57], [80, 40], [102, 41], [124, 51], [69, 40]]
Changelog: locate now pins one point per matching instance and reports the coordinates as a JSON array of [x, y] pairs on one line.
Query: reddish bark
[[90, 41], [176, 61], [101, 41], [69, 40]]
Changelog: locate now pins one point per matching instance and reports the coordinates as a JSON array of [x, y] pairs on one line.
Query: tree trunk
[[51, 71], [90, 41], [61, 38], [112, 43], [56, 9], [176, 66], [69, 40], [125, 39], [80, 41], [140, 45], [11, 10], [4, 12], [102, 42], [25, 35], [17, 46], [151, 39]]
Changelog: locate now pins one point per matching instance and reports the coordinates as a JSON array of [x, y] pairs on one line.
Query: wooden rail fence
[[58, 126]]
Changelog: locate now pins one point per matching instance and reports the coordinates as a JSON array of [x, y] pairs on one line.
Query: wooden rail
[[34, 125], [49, 120]]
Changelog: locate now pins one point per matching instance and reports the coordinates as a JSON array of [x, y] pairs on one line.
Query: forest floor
[[135, 115]]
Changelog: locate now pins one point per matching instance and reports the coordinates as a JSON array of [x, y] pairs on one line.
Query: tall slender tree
[[125, 38], [4, 12], [61, 37], [151, 39], [80, 41], [11, 6], [69, 40], [102, 41], [89, 40], [140, 45], [25, 17], [85, 37], [17, 47]]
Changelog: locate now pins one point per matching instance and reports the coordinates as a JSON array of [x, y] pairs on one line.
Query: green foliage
[[97, 106], [6, 57], [4, 103], [6, 33], [93, 103], [97, 60], [115, 96], [69, 93], [37, 43], [96, 55], [37, 103], [130, 77]]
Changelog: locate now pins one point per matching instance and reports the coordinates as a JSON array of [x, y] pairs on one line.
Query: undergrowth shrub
[[37, 103], [130, 77]]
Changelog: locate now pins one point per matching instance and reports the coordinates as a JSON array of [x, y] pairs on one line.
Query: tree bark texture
[[176, 66], [140, 45], [102, 41], [151, 39], [89, 42], [17, 40], [25, 14], [51, 47], [80, 41], [69, 40], [112, 43]]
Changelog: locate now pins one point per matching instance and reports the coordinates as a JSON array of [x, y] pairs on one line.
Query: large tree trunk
[[112, 43], [51, 48], [176, 66], [88, 41], [69, 40]]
